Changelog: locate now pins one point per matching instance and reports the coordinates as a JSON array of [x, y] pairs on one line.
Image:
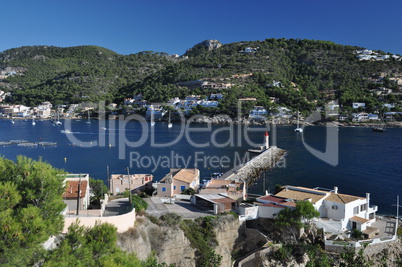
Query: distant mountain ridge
[[307, 71]]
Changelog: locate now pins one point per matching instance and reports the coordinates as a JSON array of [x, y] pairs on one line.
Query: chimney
[[335, 190]]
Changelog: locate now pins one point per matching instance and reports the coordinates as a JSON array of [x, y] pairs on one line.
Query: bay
[[368, 161]]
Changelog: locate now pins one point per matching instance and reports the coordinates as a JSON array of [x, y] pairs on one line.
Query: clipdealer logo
[[237, 136]]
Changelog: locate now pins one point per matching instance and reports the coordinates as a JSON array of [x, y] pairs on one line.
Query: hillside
[[300, 74]]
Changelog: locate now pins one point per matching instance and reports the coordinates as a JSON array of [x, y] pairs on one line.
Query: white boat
[[66, 131], [88, 121], [152, 119], [12, 120], [33, 120], [298, 128], [58, 122], [170, 125]]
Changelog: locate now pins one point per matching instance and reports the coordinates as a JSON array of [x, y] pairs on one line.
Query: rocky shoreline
[[224, 120]]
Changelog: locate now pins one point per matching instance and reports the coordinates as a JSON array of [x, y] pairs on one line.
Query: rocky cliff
[[257, 243]]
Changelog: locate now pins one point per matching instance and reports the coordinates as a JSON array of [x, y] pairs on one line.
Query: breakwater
[[253, 168]]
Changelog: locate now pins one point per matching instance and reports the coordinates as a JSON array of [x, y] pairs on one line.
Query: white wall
[[268, 212]]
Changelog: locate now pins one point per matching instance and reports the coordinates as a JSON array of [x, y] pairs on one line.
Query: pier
[[252, 169]]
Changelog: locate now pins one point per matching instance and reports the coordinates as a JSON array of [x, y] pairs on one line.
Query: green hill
[[306, 73]]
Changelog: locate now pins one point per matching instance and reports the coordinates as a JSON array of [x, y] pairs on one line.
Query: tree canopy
[[30, 208]]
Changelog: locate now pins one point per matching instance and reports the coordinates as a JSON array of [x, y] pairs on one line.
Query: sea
[[355, 159]]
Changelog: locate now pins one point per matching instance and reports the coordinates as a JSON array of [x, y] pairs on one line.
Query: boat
[[89, 119], [170, 125], [66, 131], [260, 149], [12, 120], [33, 120], [103, 128], [58, 122], [378, 129], [152, 119], [298, 128]]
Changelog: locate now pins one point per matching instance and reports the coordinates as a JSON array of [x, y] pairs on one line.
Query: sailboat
[[152, 118], [12, 120], [170, 125], [89, 120], [33, 120], [298, 128]]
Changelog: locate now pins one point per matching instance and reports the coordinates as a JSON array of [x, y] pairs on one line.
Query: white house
[[258, 112], [360, 117], [345, 212], [358, 105]]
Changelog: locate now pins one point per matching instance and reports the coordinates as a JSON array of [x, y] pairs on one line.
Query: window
[[174, 187], [163, 189], [363, 207], [182, 187], [356, 210], [334, 207]]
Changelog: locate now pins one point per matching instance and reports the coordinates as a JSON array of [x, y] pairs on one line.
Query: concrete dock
[[253, 168]]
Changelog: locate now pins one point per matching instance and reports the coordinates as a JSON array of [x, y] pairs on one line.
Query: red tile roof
[[72, 189]]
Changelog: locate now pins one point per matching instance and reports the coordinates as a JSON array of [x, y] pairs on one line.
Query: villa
[[176, 181], [338, 212], [120, 182]]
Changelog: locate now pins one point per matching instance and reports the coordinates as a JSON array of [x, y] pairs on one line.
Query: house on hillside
[[338, 212], [258, 112], [77, 193], [176, 181], [120, 182]]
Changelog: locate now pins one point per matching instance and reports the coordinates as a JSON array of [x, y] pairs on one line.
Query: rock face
[[227, 234], [169, 243], [208, 44]]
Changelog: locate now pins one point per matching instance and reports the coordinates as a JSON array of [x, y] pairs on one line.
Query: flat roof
[[358, 219]]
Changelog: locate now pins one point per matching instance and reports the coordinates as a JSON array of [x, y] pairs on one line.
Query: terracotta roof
[[295, 194], [72, 189], [358, 219], [342, 198], [186, 175], [278, 201]]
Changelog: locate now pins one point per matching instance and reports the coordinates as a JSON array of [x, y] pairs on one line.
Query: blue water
[[368, 161]]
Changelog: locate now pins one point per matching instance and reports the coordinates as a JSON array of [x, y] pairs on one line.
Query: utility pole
[[129, 186], [78, 194]]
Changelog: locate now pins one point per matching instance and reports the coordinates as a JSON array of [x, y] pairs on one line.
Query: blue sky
[[131, 26]]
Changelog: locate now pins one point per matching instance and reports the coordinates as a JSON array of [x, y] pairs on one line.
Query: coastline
[[224, 120]]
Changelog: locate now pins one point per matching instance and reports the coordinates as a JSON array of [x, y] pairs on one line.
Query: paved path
[[117, 207], [181, 207]]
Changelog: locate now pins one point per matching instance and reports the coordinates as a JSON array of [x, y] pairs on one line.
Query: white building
[[358, 105], [346, 212], [258, 112], [360, 117]]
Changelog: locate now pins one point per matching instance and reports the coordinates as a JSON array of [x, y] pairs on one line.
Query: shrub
[[138, 203], [171, 219]]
